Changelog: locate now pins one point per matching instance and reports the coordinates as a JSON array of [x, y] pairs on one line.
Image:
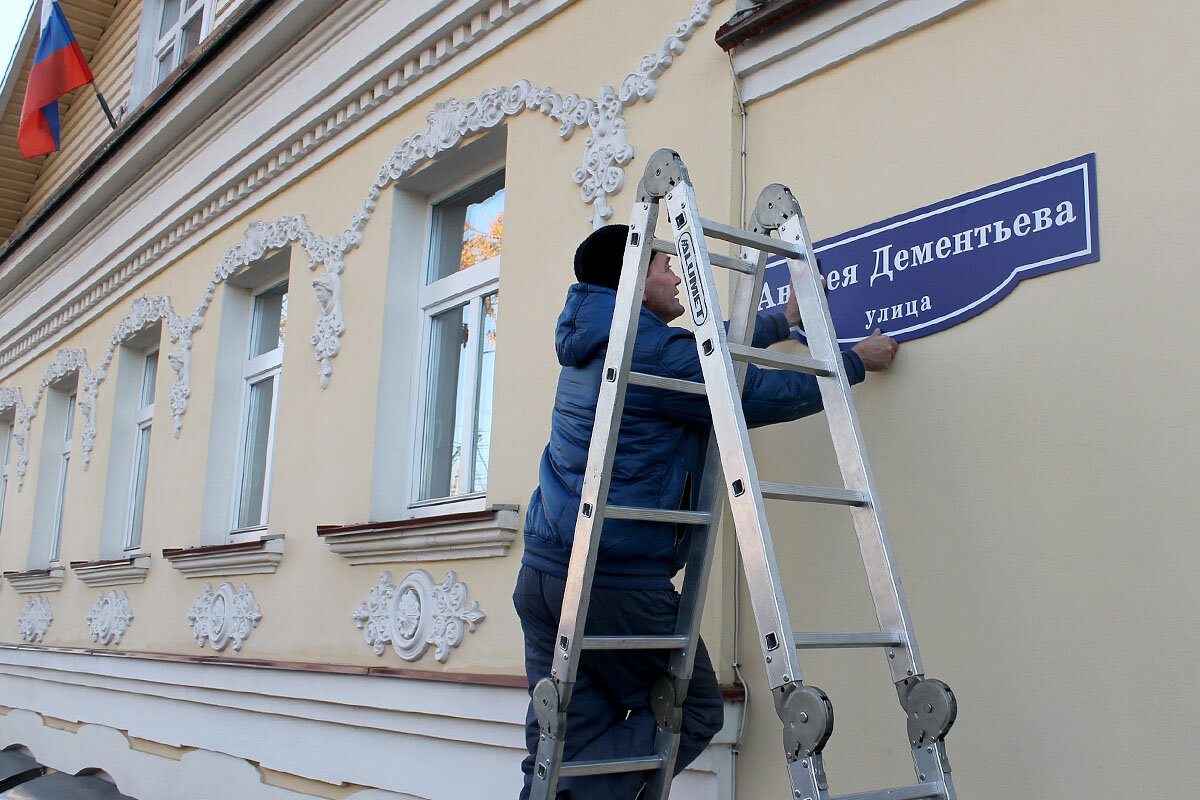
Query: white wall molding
[[417, 613], [243, 558], [830, 37], [180, 194], [110, 617], [34, 619], [35, 580], [358, 725], [600, 175], [224, 616], [477, 535], [118, 572]]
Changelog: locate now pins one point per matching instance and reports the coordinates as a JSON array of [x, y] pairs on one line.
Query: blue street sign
[[926, 270]]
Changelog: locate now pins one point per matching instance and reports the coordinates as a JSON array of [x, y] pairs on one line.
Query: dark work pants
[[609, 714]]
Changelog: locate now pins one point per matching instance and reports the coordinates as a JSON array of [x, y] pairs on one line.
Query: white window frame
[[255, 370], [470, 286], [151, 45], [142, 419], [64, 465], [7, 428]]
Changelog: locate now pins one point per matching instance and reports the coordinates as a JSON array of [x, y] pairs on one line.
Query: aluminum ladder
[[730, 471]]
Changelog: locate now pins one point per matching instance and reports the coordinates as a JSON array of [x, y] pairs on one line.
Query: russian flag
[[58, 67]]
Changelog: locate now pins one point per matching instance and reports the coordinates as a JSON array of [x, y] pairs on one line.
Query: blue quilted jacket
[[660, 453]]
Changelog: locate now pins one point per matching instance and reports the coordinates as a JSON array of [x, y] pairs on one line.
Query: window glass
[[149, 376], [170, 15], [257, 438], [446, 404], [141, 464], [65, 463], [483, 405], [6, 435], [468, 228], [270, 320], [191, 33]]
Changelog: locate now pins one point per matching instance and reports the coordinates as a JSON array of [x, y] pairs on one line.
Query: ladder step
[[573, 769], [728, 233], [717, 260], [918, 792], [634, 642], [772, 358], [658, 515], [674, 384], [814, 494], [817, 641]]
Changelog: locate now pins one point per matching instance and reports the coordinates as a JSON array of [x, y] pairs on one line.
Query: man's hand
[[792, 312], [877, 351]]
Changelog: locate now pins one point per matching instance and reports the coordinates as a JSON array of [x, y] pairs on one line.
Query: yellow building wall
[[1036, 463]]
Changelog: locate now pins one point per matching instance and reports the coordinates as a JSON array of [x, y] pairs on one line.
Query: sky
[[12, 18]]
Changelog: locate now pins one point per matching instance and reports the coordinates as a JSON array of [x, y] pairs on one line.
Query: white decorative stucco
[[224, 616], [600, 175], [110, 617], [34, 619], [417, 613]]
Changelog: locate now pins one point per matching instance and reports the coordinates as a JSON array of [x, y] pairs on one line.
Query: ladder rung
[[573, 769], [918, 792], [674, 384], [658, 515], [716, 259], [634, 642], [772, 358], [728, 233], [814, 494], [817, 641]]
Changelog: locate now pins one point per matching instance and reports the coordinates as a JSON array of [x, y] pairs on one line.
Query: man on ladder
[[658, 464]]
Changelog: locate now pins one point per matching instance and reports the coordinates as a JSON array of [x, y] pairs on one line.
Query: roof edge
[[19, 54], [751, 22]]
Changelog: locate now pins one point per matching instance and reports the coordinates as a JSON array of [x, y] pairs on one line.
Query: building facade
[[268, 438]]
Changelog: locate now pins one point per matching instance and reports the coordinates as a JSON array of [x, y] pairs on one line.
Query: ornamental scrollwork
[[417, 613], [34, 619], [224, 616], [110, 617], [10, 397]]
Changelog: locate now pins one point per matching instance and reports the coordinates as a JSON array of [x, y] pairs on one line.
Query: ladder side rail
[[696, 576], [602, 448], [729, 427], [870, 528], [585, 547]]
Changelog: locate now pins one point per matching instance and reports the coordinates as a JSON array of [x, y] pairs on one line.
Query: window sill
[[36, 580], [113, 572], [237, 558], [472, 534]]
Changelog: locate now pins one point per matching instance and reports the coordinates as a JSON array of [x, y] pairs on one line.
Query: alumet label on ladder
[[691, 273]]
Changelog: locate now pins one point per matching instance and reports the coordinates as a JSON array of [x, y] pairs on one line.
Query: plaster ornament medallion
[[110, 617], [35, 618], [224, 616], [417, 613]]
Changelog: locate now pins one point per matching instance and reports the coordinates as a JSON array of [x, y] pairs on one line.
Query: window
[[6, 437], [170, 30], [64, 451], [460, 305], [143, 417], [260, 377]]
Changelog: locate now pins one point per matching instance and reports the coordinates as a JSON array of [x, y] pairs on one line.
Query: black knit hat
[[598, 258]]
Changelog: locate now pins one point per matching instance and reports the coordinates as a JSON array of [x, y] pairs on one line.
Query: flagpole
[[104, 105]]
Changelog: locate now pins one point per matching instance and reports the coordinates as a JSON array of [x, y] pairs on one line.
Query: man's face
[[662, 289]]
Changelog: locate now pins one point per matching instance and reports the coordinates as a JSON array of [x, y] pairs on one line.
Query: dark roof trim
[[755, 21], [184, 74]]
